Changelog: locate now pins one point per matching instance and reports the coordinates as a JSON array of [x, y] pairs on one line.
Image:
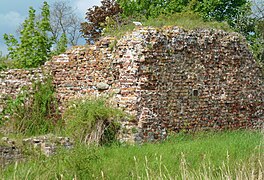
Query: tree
[[64, 20], [258, 9], [243, 22], [35, 44], [96, 19], [220, 10], [61, 45], [248, 22], [258, 14], [151, 9]]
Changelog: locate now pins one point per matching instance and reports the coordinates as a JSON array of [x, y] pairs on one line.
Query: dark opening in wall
[[195, 93]]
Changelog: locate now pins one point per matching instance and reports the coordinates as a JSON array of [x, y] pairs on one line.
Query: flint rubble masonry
[[170, 79]]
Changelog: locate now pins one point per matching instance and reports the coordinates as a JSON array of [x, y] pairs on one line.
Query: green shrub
[[91, 120], [6, 63], [35, 112]]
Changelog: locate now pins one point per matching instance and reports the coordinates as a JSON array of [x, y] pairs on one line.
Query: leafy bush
[[3, 60], [35, 112], [91, 120]]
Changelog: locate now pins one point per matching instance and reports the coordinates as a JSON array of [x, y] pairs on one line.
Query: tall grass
[[225, 155], [92, 120], [34, 111]]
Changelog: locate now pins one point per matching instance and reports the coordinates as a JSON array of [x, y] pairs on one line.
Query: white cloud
[[11, 19], [83, 5]]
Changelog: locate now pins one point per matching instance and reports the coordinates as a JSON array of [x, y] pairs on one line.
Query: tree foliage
[[35, 44], [258, 39], [96, 19], [153, 8], [250, 24], [237, 13], [220, 10], [61, 45], [63, 21]]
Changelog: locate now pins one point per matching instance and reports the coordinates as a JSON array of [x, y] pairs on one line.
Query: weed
[[90, 120], [113, 45], [32, 112], [134, 130], [224, 155]]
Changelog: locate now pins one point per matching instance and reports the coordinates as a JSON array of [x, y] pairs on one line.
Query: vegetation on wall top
[[48, 34], [236, 13]]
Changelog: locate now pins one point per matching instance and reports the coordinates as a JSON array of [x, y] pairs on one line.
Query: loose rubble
[[11, 150]]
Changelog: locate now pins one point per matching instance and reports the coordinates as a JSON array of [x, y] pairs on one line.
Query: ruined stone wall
[[192, 80], [169, 79], [85, 70]]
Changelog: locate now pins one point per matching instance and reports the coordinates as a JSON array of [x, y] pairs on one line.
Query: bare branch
[[65, 21]]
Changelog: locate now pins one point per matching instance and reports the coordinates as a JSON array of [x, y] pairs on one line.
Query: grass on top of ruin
[[185, 20], [209, 155]]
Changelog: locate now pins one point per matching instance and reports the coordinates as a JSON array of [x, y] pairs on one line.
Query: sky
[[14, 12]]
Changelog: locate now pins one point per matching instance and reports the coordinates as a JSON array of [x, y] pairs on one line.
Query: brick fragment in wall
[[169, 79]]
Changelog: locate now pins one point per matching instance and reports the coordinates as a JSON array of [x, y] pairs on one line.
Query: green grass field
[[210, 155]]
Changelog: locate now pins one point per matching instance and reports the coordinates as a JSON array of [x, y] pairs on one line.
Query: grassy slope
[[164, 160]]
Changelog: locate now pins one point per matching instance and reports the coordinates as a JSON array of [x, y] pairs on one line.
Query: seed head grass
[[222, 155]]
